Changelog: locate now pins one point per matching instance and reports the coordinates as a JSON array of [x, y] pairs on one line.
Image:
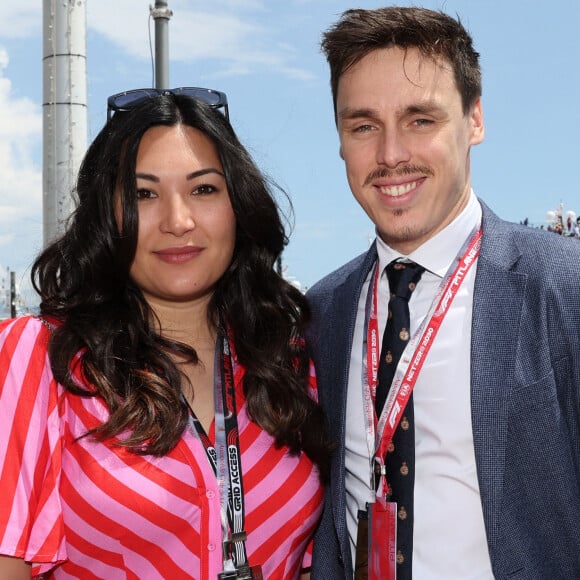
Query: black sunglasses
[[130, 99]]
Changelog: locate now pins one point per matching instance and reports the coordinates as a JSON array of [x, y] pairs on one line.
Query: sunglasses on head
[[130, 99]]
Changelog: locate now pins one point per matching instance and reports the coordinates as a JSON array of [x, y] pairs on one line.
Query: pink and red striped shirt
[[86, 509]]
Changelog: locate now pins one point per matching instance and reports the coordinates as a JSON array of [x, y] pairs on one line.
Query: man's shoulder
[[548, 261], [534, 245]]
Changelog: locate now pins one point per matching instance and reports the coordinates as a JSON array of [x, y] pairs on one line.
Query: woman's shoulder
[[30, 330], [23, 348], [25, 329], [24, 357]]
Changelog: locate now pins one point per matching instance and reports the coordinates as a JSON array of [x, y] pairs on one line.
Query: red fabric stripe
[[12, 468], [45, 479], [127, 496], [97, 553], [280, 535], [262, 468], [287, 480], [76, 571], [145, 468], [9, 347], [158, 558]]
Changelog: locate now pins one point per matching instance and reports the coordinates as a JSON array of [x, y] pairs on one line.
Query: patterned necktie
[[400, 463]]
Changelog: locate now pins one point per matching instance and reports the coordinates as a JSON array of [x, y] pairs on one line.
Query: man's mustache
[[405, 170]]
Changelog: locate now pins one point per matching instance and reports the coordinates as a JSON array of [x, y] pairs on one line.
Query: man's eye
[[422, 122], [363, 128]]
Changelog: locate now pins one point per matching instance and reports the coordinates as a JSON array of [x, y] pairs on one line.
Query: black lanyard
[[225, 456]]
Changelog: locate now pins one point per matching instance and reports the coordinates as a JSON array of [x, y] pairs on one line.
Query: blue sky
[[265, 55]]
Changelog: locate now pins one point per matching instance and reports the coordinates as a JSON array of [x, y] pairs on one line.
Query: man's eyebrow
[[419, 108], [427, 107], [357, 113]]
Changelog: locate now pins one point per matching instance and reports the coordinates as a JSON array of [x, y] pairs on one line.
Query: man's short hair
[[433, 33]]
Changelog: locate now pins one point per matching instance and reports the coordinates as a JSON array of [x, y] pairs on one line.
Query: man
[[495, 478]]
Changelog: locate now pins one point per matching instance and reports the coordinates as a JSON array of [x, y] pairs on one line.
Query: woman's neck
[[185, 322], [189, 324]]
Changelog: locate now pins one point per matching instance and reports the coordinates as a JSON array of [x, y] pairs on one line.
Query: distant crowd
[[568, 226]]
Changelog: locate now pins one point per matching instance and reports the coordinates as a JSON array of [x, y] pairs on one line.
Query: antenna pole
[[12, 295], [161, 14]]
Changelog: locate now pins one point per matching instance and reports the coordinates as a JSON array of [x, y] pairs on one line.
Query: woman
[[157, 419]]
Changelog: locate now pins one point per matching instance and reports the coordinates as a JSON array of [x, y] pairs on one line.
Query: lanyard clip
[[380, 471], [242, 573], [229, 544], [380, 468]]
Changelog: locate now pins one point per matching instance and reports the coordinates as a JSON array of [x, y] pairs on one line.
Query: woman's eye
[[145, 194], [204, 189]]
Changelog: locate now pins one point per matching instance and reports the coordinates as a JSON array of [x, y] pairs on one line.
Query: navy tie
[[400, 462]]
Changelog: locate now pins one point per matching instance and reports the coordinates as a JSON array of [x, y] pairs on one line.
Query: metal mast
[[64, 108], [162, 15]]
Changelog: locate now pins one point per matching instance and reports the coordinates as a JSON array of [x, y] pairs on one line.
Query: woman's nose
[[178, 216]]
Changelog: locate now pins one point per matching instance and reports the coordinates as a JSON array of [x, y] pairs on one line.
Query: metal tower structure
[[64, 108]]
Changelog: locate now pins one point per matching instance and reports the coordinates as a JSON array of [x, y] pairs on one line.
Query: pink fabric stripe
[[127, 516]]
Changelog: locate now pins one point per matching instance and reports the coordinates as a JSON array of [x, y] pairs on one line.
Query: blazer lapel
[[339, 325], [497, 305]]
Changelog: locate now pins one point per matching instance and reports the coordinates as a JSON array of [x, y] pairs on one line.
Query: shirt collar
[[439, 251]]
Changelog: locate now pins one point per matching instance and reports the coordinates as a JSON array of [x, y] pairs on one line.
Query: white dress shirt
[[449, 540]]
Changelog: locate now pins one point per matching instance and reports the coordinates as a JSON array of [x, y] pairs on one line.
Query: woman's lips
[[178, 255]]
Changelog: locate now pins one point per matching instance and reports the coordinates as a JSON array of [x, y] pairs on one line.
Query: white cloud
[[237, 34], [20, 18], [235, 37], [21, 184]]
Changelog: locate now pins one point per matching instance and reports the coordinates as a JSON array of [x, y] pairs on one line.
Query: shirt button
[[210, 493], [211, 547]]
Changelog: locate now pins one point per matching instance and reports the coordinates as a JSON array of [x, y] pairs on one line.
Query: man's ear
[[476, 123]]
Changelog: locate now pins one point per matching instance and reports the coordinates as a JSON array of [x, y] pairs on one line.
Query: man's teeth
[[397, 190]]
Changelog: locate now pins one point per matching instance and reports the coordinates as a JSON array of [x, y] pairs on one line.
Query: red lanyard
[[409, 368]]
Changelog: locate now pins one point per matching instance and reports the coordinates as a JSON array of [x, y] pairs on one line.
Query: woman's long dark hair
[[83, 280]]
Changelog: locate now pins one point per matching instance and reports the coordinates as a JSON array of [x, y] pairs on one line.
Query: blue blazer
[[525, 399]]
